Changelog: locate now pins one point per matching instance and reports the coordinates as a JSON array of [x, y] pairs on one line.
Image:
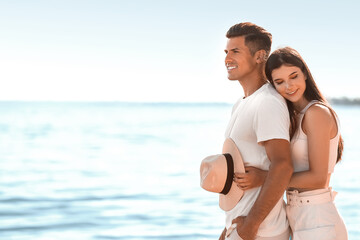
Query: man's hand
[[277, 179], [244, 231]]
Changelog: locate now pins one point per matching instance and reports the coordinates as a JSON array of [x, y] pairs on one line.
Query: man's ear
[[260, 56]]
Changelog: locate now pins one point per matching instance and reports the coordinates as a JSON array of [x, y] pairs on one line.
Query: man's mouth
[[230, 67]]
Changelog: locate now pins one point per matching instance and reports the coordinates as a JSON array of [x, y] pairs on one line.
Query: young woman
[[316, 146]]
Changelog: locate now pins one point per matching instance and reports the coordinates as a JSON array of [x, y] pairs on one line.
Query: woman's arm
[[317, 124]]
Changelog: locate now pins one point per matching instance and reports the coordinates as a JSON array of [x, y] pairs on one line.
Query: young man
[[259, 126]]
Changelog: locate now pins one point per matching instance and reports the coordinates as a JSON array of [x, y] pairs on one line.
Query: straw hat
[[217, 173]]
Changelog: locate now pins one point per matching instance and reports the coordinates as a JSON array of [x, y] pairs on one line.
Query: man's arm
[[276, 182]]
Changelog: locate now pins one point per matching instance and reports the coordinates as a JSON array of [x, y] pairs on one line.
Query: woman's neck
[[300, 105]]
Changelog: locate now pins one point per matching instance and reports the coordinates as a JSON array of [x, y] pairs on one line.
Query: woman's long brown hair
[[290, 57]]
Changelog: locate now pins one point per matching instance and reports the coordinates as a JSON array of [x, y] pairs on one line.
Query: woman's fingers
[[243, 186], [239, 175], [240, 180]]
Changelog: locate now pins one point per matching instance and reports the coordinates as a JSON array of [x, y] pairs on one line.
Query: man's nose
[[227, 58]]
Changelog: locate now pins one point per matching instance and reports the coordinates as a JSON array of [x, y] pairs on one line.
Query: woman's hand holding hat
[[253, 177]]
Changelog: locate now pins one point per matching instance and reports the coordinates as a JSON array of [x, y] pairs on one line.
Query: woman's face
[[289, 81]]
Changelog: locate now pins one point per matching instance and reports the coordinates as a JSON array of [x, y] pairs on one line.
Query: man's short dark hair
[[256, 37]]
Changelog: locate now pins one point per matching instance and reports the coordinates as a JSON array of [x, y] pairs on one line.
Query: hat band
[[230, 175]]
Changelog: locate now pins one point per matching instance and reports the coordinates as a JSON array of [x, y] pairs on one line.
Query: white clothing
[[299, 145], [313, 215], [257, 118], [284, 236]]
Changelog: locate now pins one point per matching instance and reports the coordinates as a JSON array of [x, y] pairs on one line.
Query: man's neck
[[251, 85]]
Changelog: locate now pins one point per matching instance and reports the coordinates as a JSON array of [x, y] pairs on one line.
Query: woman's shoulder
[[319, 109], [318, 114]]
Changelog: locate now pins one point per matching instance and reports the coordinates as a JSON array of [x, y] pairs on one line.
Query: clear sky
[[142, 50]]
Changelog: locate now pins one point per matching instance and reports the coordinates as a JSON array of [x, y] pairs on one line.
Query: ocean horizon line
[[119, 102], [335, 101]]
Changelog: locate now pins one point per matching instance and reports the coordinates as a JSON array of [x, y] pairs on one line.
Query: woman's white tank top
[[299, 145]]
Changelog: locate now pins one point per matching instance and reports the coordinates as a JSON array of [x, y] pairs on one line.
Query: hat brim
[[229, 201]]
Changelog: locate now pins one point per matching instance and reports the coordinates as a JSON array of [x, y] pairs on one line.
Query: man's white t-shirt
[[257, 118]]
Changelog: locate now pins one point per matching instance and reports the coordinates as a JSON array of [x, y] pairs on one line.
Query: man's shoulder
[[270, 94], [269, 90]]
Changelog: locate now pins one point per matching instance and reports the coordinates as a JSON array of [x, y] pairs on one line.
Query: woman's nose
[[288, 84]]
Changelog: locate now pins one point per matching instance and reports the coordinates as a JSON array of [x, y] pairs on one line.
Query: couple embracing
[[282, 136]]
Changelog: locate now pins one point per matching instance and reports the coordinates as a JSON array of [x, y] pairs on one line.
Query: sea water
[[127, 170]]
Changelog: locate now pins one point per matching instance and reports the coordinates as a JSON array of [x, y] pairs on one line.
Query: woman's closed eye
[[293, 76]]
